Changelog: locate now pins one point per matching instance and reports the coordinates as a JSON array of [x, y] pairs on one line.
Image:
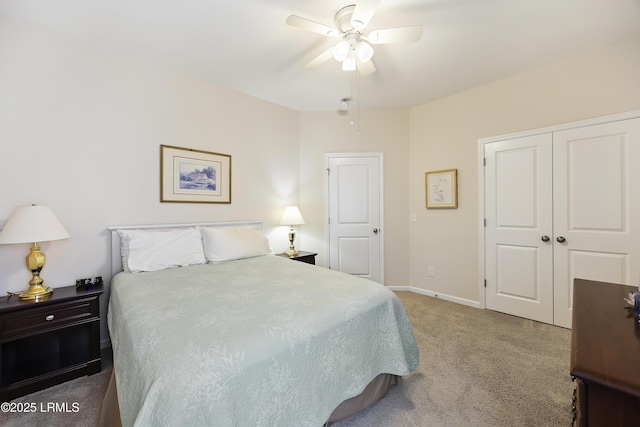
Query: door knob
[[375, 231], [545, 238], [560, 239]]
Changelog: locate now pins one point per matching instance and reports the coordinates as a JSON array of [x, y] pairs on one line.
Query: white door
[[519, 229], [596, 208], [558, 206], [355, 214]]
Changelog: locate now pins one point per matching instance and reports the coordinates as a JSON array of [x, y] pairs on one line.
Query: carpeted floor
[[83, 393], [477, 368]]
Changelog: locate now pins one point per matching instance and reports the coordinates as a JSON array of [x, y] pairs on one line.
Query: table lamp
[[32, 224], [291, 216]]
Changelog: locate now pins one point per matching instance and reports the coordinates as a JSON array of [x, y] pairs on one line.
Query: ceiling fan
[[354, 49]]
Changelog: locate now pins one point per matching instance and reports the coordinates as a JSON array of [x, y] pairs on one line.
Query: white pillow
[[151, 250], [229, 243]]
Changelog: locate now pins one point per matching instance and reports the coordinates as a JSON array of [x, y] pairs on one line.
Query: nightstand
[[48, 342], [308, 257]]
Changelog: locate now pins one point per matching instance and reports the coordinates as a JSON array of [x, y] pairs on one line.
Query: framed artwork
[[442, 189], [194, 176]]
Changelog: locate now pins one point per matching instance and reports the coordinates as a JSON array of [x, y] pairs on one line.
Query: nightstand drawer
[[48, 316]]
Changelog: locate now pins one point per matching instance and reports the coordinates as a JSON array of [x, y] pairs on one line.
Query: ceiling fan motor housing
[[343, 20]]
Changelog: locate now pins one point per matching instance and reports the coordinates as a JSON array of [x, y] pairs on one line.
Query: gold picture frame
[[194, 176], [442, 189]]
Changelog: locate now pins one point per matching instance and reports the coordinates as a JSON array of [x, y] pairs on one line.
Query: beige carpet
[[85, 392], [477, 368]]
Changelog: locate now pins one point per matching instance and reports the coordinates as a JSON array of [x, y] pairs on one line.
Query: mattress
[[258, 341]]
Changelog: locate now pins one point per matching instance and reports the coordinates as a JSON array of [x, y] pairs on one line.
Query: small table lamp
[[31, 224], [291, 216]]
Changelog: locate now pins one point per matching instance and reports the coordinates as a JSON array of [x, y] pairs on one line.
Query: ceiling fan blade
[[396, 35], [323, 57], [366, 68], [363, 13], [315, 27]]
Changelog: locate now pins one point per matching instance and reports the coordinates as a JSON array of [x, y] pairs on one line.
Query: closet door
[[596, 202], [519, 230]]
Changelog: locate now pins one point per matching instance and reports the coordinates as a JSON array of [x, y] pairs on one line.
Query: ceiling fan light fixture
[[341, 50], [354, 48], [349, 63], [364, 51]]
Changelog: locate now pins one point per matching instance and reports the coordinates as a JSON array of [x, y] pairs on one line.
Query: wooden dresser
[[605, 355]]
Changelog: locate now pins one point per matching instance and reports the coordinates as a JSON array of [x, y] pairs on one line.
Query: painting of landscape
[[188, 175], [199, 177]]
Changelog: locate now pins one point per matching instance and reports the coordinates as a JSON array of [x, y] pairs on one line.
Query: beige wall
[[80, 130], [385, 131], [444, 134]]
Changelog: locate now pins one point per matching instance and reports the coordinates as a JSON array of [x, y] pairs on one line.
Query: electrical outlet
[[414, 217], [431, 271]]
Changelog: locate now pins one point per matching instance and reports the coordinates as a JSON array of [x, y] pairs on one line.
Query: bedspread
[[263, 341]]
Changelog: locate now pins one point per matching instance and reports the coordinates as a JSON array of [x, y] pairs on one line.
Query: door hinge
[[484, 161], [485, 222], [328, 171], [485, 283]]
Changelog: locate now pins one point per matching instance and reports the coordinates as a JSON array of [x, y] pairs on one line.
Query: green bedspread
[[262, 341]]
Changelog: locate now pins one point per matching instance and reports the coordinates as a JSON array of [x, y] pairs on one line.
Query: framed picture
[[442, 189], [194, 176]]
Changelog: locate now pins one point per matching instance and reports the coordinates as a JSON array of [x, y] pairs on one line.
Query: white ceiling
[[246, 45]]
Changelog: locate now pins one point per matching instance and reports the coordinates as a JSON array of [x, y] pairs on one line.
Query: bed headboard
[[116, 258]]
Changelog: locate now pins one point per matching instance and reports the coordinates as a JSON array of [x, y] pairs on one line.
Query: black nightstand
[[48, 342], [308, 257]]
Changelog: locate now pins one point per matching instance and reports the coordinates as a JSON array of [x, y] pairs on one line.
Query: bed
[[235, 336]]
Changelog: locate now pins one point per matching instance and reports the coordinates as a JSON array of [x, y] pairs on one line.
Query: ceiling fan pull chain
[[358, 96], [352, 99]]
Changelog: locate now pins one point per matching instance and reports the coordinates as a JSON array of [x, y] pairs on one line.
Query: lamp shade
[[364, 51], [349, 64], [341, 50], [31, 224], [291, 216]]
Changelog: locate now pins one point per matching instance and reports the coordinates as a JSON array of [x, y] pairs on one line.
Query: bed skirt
[[374, 391]]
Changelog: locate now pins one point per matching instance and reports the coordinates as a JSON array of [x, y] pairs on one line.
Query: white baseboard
[[445, 297]]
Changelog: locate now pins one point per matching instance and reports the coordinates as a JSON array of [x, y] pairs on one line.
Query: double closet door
[[560, 205]]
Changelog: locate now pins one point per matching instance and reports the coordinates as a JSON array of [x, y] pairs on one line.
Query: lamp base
[[36, 292], [292, 250]]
